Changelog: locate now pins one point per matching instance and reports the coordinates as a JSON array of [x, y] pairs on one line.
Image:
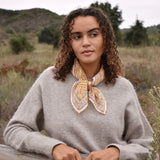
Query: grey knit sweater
[[47, 106]]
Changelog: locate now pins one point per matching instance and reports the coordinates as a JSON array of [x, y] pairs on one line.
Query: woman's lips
[[87, 52]]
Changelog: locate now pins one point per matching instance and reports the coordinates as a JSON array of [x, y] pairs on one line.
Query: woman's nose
[[85, 41]]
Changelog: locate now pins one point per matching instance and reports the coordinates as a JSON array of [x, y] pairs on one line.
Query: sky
[[147, 11]]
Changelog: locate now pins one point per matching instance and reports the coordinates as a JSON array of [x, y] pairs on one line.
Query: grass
[[149, 56], [17, 78], [155, 96], [43, 54], [14, 87], [141, 68]]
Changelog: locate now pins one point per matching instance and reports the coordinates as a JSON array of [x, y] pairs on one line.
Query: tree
[[19, 42], [50, 35], [114, 14], [137, 35], [46, 35]]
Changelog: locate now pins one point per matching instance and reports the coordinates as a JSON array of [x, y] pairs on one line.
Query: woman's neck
[[90, 70]]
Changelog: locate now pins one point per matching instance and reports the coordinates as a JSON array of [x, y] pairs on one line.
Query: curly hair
[[110, 60]]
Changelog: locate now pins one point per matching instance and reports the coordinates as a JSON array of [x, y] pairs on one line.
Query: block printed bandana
[[84, 90]]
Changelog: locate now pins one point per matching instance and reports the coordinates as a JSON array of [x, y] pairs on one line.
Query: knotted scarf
[[84, 90]]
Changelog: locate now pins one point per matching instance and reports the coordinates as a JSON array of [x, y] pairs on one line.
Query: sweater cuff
[[122, 156], [43, 144], [132, 151], [52, 146]]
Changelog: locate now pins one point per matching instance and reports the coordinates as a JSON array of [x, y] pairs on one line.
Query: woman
[[87, 109]]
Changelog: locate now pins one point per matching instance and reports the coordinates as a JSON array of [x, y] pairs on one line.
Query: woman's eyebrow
[[72, 33], [93, 29]]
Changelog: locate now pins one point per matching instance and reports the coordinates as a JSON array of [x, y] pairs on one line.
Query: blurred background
[[29, 35]]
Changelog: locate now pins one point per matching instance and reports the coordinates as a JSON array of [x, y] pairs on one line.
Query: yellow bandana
[[83, 90]]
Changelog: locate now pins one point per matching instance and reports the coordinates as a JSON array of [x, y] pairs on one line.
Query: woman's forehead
[[81, 23]]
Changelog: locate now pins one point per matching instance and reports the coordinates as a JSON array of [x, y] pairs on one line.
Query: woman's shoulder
[[47, 73], [124, 83], [48, 69]]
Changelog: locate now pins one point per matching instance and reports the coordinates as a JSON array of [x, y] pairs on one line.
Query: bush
[[10, 31], [20, 43], [155, 96], [50, 35], [137, 35]]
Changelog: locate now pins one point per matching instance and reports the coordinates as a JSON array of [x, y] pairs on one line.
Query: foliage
[[5, 50], [33, 19], [145, 59], [158, 26], [13, 86], [20, 43], [8, 12], [114, 14], [19, 68], [137, 35], [154, 38], [155, 96], [142, 77], [10, 31], [50, 35]]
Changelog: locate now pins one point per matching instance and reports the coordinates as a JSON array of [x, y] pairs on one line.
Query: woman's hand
[[111, 153], [64, 152]]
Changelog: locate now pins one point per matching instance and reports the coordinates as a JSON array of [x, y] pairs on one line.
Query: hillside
[[26, 21], [150, 29], [32, 21], [153, 29]]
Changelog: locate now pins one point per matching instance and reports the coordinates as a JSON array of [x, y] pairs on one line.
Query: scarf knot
[[84, 90]]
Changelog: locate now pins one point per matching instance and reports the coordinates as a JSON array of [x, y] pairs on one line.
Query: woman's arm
[[23, 130], [138, 133]]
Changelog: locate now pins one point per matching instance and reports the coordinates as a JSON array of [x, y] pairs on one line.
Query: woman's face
[[87, 40]]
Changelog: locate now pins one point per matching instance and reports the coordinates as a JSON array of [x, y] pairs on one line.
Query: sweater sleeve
[[23, 130], [138, 133]]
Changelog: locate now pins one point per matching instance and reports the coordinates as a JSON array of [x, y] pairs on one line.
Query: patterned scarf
[[84, 90]]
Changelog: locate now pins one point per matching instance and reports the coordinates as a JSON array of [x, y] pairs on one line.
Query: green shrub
[[50, 35], [154, 38], [9, 30], [46, 36], [155, 96], [137, 35], [20, 43]]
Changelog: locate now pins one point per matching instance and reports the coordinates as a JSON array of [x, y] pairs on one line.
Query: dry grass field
[[18, 72]]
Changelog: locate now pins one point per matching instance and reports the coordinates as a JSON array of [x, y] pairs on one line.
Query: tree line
[[135, 36]]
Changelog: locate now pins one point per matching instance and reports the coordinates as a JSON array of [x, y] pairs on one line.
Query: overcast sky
[[147, 11]]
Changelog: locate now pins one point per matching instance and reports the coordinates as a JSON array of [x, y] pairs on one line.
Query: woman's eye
[[94, 34], [77, 37]]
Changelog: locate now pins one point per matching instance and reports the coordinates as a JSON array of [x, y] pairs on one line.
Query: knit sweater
[[47, 106]]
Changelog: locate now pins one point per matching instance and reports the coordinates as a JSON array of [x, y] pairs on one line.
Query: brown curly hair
[[110, 59]]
